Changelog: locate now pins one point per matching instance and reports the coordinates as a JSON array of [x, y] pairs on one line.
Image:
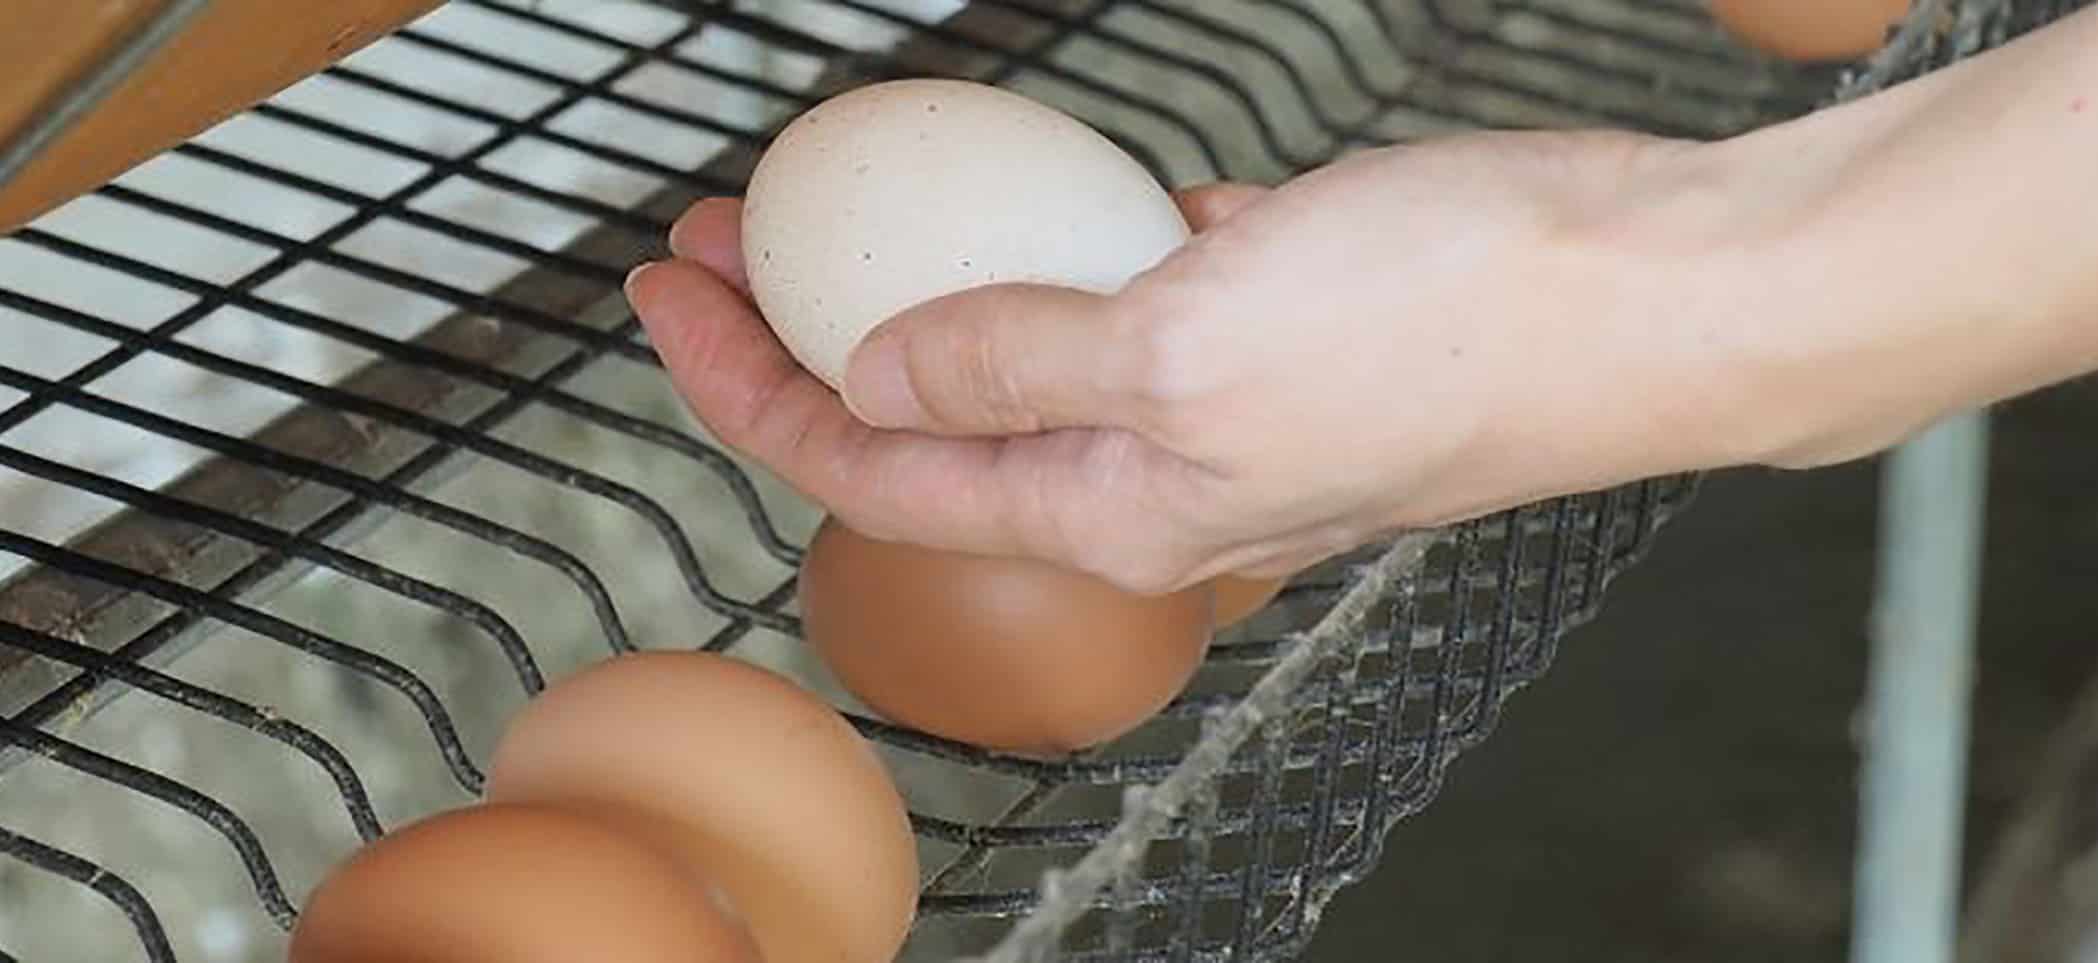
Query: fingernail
[[878, 386], [634, 276]]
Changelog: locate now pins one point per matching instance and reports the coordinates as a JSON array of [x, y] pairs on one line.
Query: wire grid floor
[[327, 440]]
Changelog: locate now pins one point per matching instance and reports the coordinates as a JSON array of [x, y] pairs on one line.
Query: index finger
[[946, 493], [711, 233]]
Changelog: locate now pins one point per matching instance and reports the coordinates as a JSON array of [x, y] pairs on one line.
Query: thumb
[[999, 359]]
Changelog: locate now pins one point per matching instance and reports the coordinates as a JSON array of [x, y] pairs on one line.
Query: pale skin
[[1422, 334]]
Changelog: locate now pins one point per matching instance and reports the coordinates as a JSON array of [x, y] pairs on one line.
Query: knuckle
[[741, 424], [1160, 359], [989, 384]]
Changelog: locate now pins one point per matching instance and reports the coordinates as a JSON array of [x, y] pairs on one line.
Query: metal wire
[[152, 938], [1253, 849]]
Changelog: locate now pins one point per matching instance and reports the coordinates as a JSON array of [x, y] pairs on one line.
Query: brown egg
[[1811, 30], [516, 884], [745, 774], [1007, 654], [1239, 597]]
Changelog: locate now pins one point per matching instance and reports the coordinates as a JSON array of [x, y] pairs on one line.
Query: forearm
[[1926, 250]]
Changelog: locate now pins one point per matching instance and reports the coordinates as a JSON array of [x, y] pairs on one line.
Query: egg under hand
[[1239, 597], [1811, 30], [739, 772], [1006, 654], [897, 193], [516, 884]]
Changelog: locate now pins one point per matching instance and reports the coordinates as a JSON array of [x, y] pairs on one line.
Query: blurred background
[[1680, 786]]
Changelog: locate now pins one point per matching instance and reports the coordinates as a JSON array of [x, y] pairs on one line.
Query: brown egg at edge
[[738, 770], [1010, 655], [516, 884], [1810, 31]]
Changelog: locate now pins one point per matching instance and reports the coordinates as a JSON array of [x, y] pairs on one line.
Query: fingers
[[1006, 360], [1011, 360], [1001, 359], [975, 495], [1017, 359], [711, 233], [722, 358]]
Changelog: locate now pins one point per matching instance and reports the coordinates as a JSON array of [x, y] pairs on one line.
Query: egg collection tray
[[341, 493]]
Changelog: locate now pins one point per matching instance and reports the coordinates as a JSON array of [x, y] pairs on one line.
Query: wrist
[[1813, 329], [1879, 265], [1716, 344], [1822, 289]]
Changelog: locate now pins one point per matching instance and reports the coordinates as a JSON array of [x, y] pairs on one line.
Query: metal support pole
[[1913, 784]]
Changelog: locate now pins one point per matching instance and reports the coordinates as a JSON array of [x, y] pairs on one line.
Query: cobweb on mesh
[[1065, 895]]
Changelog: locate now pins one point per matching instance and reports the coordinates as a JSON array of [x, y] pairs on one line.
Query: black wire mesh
[[329, 428]]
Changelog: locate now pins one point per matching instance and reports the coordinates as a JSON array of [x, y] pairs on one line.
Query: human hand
[[1407, 337]]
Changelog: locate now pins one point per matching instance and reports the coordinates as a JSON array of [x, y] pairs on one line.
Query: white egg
[[896, 193]]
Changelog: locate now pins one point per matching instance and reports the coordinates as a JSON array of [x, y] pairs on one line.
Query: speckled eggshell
[[896, 193]]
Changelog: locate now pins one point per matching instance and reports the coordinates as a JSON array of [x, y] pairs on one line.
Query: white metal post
[[1913, 783]]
